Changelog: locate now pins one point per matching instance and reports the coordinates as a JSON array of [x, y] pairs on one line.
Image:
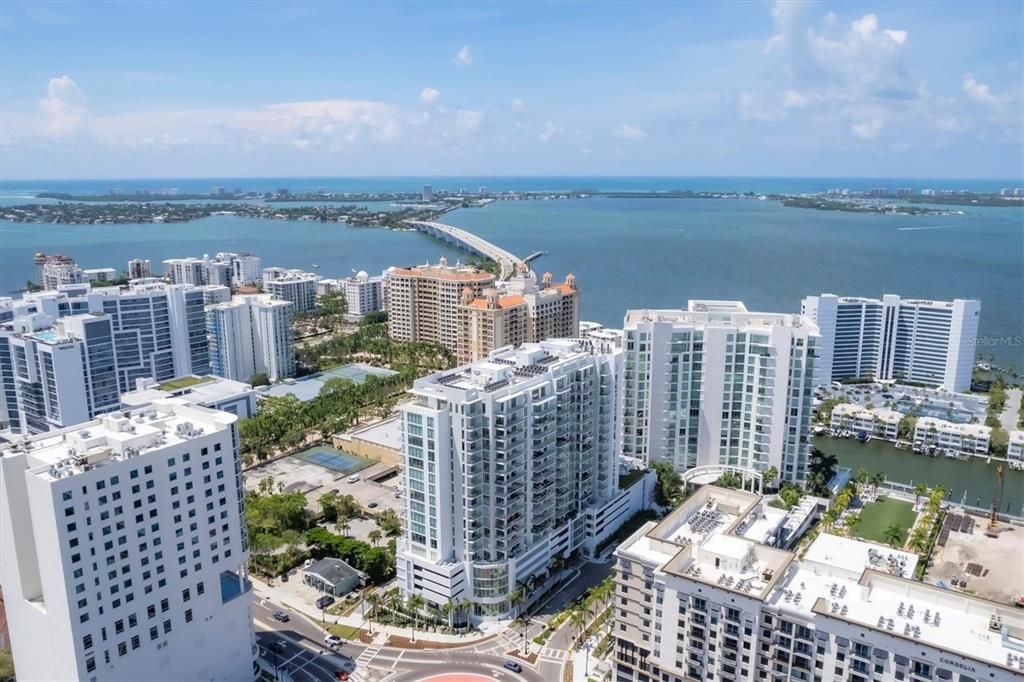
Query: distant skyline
[[785, 89]]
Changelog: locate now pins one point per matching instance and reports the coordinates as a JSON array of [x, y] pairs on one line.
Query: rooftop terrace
[[717, 537]]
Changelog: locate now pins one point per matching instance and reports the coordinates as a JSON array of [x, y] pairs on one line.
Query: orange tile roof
[[510, 301], [566, 289]]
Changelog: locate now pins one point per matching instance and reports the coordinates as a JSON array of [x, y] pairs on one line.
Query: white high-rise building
[[292, 285], [704, 595], [157, 331], [508, 463], [925, 342], [139, 268], [363, 294], [185, 271], [717, 385], [57, 273], [123, 549], [246, 268], [249, 335], [58, 373]]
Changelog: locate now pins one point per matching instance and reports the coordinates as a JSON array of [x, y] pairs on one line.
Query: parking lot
[[925, 402]]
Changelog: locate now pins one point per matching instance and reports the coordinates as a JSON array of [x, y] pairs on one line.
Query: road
[[303, 644]]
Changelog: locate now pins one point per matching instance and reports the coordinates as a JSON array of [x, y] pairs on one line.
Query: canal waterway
[[968, 481]]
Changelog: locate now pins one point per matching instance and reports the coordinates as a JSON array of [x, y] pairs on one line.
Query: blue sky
[[165, 89]]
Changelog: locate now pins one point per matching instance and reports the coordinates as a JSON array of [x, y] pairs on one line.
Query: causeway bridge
[[472, 243]]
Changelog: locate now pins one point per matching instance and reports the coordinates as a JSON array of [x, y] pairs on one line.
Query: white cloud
[[518, 105], [630, 132], [64, 108], [429, 95], [467, 121], [977, 91], [867, 130], [550, 132], [464, 57], [795, 100], [754, 108]]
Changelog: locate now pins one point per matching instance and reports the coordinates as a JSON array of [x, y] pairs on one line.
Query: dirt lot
[[1000, 560]]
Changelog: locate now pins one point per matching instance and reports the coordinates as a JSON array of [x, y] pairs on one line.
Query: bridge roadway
[[472, 243]]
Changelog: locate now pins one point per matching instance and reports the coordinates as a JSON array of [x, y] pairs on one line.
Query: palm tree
[[448, 609], [877, 479], [343, 524], [515, 598], [373, 599], [374, 536], [919, 539], [893, 535], [920, 490], [852, 521], [769, 476], [578, 616], [414, 604]]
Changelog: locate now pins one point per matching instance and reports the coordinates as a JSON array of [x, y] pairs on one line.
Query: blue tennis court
[[332, 459]]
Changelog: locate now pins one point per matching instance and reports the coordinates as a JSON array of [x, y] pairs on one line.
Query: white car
[[332, 641], [354, 478]]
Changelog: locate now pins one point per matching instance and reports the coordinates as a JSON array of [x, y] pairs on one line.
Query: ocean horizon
[[504, 183]]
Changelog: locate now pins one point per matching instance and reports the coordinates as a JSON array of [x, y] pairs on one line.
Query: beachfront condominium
[[521, 311], [423, 301], [123, 549], [157, 331], [295, 286], [41, 260], [704, 595], [916, 341], [507, 463], [139, 268], [717, 385], [363, 294], [185, 271], [250, 335]]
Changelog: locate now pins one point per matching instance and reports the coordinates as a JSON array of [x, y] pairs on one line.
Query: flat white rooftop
[[505, 367], [863, 583], [55, 455], [204, 390], [718, 314]]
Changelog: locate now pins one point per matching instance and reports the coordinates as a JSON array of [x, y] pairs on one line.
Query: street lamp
[[526, 631]]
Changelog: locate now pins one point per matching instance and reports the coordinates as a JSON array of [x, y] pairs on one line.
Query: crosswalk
[[554, 654], [368, 655]]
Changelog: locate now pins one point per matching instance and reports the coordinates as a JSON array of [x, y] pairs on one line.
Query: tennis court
[[335, 460]]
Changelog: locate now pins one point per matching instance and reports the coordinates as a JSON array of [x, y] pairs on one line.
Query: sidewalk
[[381, 633]]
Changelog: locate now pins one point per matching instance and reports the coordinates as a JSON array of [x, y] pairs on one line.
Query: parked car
[[354, 478], [372, 505], [332, 641], [281, 616], [324, 601], [514, 666]]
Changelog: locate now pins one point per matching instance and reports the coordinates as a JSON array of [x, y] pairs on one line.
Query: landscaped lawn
[[183, 382], [879, 515]]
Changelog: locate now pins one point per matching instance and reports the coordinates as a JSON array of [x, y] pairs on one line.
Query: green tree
[[389, 522], [920, 490], [769, 476], [919, 538], [852, 521], [329, 506], [669, 489], [414, 604], [259, 379], [906, 428], [579, 617], [374, 536], [893, 535]]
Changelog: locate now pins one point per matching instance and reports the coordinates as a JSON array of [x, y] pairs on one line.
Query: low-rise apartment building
[[972, 439], [877, 422]]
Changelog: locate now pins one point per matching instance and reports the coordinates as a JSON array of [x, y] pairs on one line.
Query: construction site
[[981, 554]]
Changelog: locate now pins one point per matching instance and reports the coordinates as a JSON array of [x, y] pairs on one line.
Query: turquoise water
[[626, 253], [636, 253]]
